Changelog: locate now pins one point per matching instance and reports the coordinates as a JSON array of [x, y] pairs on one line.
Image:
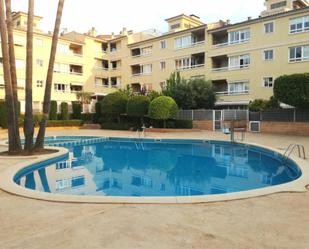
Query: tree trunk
[[39, 145], [14, 142], [13, 67], [28, 126]]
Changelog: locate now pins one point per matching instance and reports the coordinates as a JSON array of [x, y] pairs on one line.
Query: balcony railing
[[141, 55], [231, 93], [233, 68], [101, 68], [76, 73], [141, 74], [190, 67], [115, 68], [225, 44], [193, 44]]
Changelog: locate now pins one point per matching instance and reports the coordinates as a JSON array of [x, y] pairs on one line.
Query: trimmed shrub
[[98, 112], [259, 105], [3, 115], [183, 124], [293, 90], [37, 119], [64, 114], [163, 108], [116, 126], [77, 110], [63, 123], [138, 106], [53, 110], [114, 104], [87, 117]]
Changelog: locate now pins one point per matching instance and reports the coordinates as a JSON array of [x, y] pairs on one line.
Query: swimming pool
[[123, 167]]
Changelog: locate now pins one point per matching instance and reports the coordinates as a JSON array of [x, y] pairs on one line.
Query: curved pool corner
[[8, 185]]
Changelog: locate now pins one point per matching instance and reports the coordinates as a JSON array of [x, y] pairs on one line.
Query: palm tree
[[28, 126], [39, 145], [12, 65], [14, 142]]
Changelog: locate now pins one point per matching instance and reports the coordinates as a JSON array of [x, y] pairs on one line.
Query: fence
[[283, 115], [209, 115]]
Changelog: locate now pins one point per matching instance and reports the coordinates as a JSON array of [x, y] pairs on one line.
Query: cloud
[[112, 16]]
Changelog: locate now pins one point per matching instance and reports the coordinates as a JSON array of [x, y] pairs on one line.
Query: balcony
[[223, 88], [102, 65], [139, 52], [224, 63], [101, 82], [224, 38], [115, 65], [115, 82], [76, 70], [76, 87], [104, 47], [193, 62], [114, 47], [76, 50], [140, 70], [196, 38]]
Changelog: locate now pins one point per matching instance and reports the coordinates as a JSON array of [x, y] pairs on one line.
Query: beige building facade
[[242, 60]]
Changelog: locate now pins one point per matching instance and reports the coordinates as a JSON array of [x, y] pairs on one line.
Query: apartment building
[[242, 60]]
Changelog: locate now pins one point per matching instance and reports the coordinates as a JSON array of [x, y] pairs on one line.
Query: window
[[184, 63], [268, 82], [19, 40], [300, 53], [238, 87], [39, 83], [175, 26], [20, 64], [162, 44], [278, 5], [163, 84], [299, 24], [162, 65], [39, 42], [269, 55], [183, 42], [239, 36], [63, 48], [240, 61], [60, 87], [39, 62], [61, 68], [269, 28], [17, 24], [146, 69], [146, 50], [101, 82]]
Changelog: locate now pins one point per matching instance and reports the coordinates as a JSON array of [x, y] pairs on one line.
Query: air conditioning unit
[[255, 126]]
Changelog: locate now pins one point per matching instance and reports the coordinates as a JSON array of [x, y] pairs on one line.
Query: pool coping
[[8, 185]]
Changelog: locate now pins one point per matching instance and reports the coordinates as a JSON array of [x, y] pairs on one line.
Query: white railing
[[190, 67], [101, 68], [141, 55], [220, 45], [231, 93], [76, 73], [222, 69], [299, 59], [194, 44], [115, 68]]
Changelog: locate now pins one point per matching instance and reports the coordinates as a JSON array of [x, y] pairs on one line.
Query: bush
[[37, 119], [63, 123], [64, 114], [77, 110], [98, 112], [53, 110], [163, 108], [114, 104], [183, 124], [87, 117], [116, 126], [138, 106], [153, 94], [293, 90], [3, 115], [259, 105]]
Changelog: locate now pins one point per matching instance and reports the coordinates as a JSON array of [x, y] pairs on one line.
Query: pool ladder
[[290, 149]]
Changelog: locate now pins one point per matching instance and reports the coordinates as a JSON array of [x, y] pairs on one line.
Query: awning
[[77, 84], [239, 102], [99, 94]]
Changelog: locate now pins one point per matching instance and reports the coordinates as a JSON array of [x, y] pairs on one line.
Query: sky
[[138, 15]]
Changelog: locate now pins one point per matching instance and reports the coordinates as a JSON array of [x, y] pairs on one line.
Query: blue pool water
[[150, 167]]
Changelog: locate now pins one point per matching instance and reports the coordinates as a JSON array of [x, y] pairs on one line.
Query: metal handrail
[[290, 149]]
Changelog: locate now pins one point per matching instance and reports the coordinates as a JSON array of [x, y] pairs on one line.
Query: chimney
[[92, 32], [228, 22], [124, 31], [112, 35], [249, 18]]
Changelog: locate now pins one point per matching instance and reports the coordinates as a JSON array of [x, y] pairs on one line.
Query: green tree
[[77, 110], [163, 108], [64, 111], [53, 110], [203, 94], [293, 90], [259, 105], [138, 107], [115, 104]]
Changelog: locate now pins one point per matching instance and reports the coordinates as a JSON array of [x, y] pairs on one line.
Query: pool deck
[[275, 221]]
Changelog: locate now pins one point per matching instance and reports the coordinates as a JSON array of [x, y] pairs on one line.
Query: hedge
[[88, 117], [293, 90], [138, 106], [77, 110], [98, 112], [53, 110], [114, 104], [64, 111], [64, 123], [116, 126]]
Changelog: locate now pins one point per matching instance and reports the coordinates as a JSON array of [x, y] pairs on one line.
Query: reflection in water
[[128, 168]]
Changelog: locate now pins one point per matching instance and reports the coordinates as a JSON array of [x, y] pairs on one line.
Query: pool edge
[[8, 185]]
